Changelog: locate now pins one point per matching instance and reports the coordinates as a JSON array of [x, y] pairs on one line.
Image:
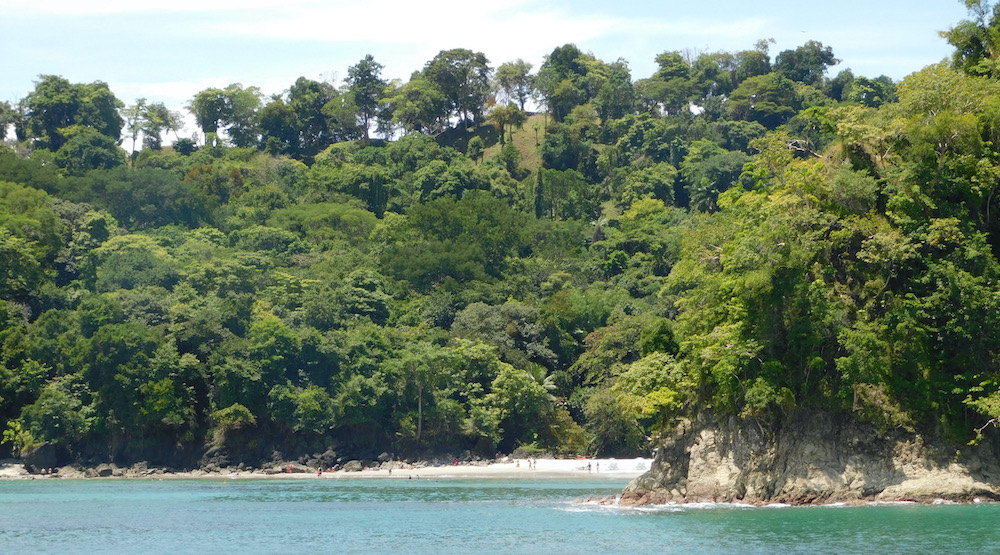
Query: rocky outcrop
[[811, 458], [353, 466]]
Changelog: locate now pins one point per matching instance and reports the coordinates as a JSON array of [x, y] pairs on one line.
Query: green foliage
[[233, 416], [464, 239], [806, 64], [56, 105], [130, 261], [794, 242], [18, 437], [88, 150], [767, 99], [20, 272]]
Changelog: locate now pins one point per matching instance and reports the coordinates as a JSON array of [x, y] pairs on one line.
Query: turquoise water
[[450, 516]]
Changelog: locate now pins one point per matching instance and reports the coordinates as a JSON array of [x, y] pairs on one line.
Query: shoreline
[[540, 469], [544, 469]]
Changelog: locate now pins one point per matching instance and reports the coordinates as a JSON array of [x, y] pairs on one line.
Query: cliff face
[[811, 458]]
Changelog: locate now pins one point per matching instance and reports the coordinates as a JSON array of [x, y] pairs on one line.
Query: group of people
[[532, 464]]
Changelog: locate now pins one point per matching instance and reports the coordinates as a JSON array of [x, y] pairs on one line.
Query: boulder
[[353, 466], [43, 456]]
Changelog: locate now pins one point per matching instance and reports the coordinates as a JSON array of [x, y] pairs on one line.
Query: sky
[[169, 51]]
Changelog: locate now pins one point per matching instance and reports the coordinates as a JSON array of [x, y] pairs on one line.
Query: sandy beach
[[519, 469], [507, 469]]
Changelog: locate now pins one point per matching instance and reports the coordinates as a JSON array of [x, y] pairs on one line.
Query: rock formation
[[811, 458]]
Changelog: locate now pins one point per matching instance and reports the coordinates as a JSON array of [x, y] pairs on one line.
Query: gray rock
[[353, 466], [43, 456], [104, 470]]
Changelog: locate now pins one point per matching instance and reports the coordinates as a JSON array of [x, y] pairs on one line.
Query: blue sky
[[168, 51]]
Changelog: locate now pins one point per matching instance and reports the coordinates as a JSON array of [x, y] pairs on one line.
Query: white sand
[[542, 469], [514, 469]]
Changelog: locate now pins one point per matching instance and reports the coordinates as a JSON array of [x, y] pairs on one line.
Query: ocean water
[[451, 516]]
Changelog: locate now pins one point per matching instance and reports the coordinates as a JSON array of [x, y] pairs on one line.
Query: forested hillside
[[425, 266]]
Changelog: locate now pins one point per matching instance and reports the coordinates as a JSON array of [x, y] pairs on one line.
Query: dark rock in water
[[353, 466], [810, 458]]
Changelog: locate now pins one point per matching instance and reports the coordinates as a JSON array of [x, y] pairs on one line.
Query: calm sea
[[450, 516]]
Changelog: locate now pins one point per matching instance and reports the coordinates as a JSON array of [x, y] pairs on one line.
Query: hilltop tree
[[616, 97], [515, 82], [243, 104], [671, 86], [279, 133], [751, 63], [56, 105], [569, 78], [365, 83], [419, 106], [977, 40], [463, 77], [8, 116], [806, 64], [209, 108], [307, 99], [233, 109], [151, 120]]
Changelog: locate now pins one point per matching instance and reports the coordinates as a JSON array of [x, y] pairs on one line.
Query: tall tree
[[977, 40], [365, 83], [616, 96], [419, 105], [569, 78], [806, 64], [750, 63], [279, 128], [233, 109], [307, 99], [515, 82], [242, 107], [7, 118], [671, 86], [209, 108], [133, 123], [158, 119], [56, 104], [463, 76]]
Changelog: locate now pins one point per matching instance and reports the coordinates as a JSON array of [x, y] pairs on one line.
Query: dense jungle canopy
[[427, 266]]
